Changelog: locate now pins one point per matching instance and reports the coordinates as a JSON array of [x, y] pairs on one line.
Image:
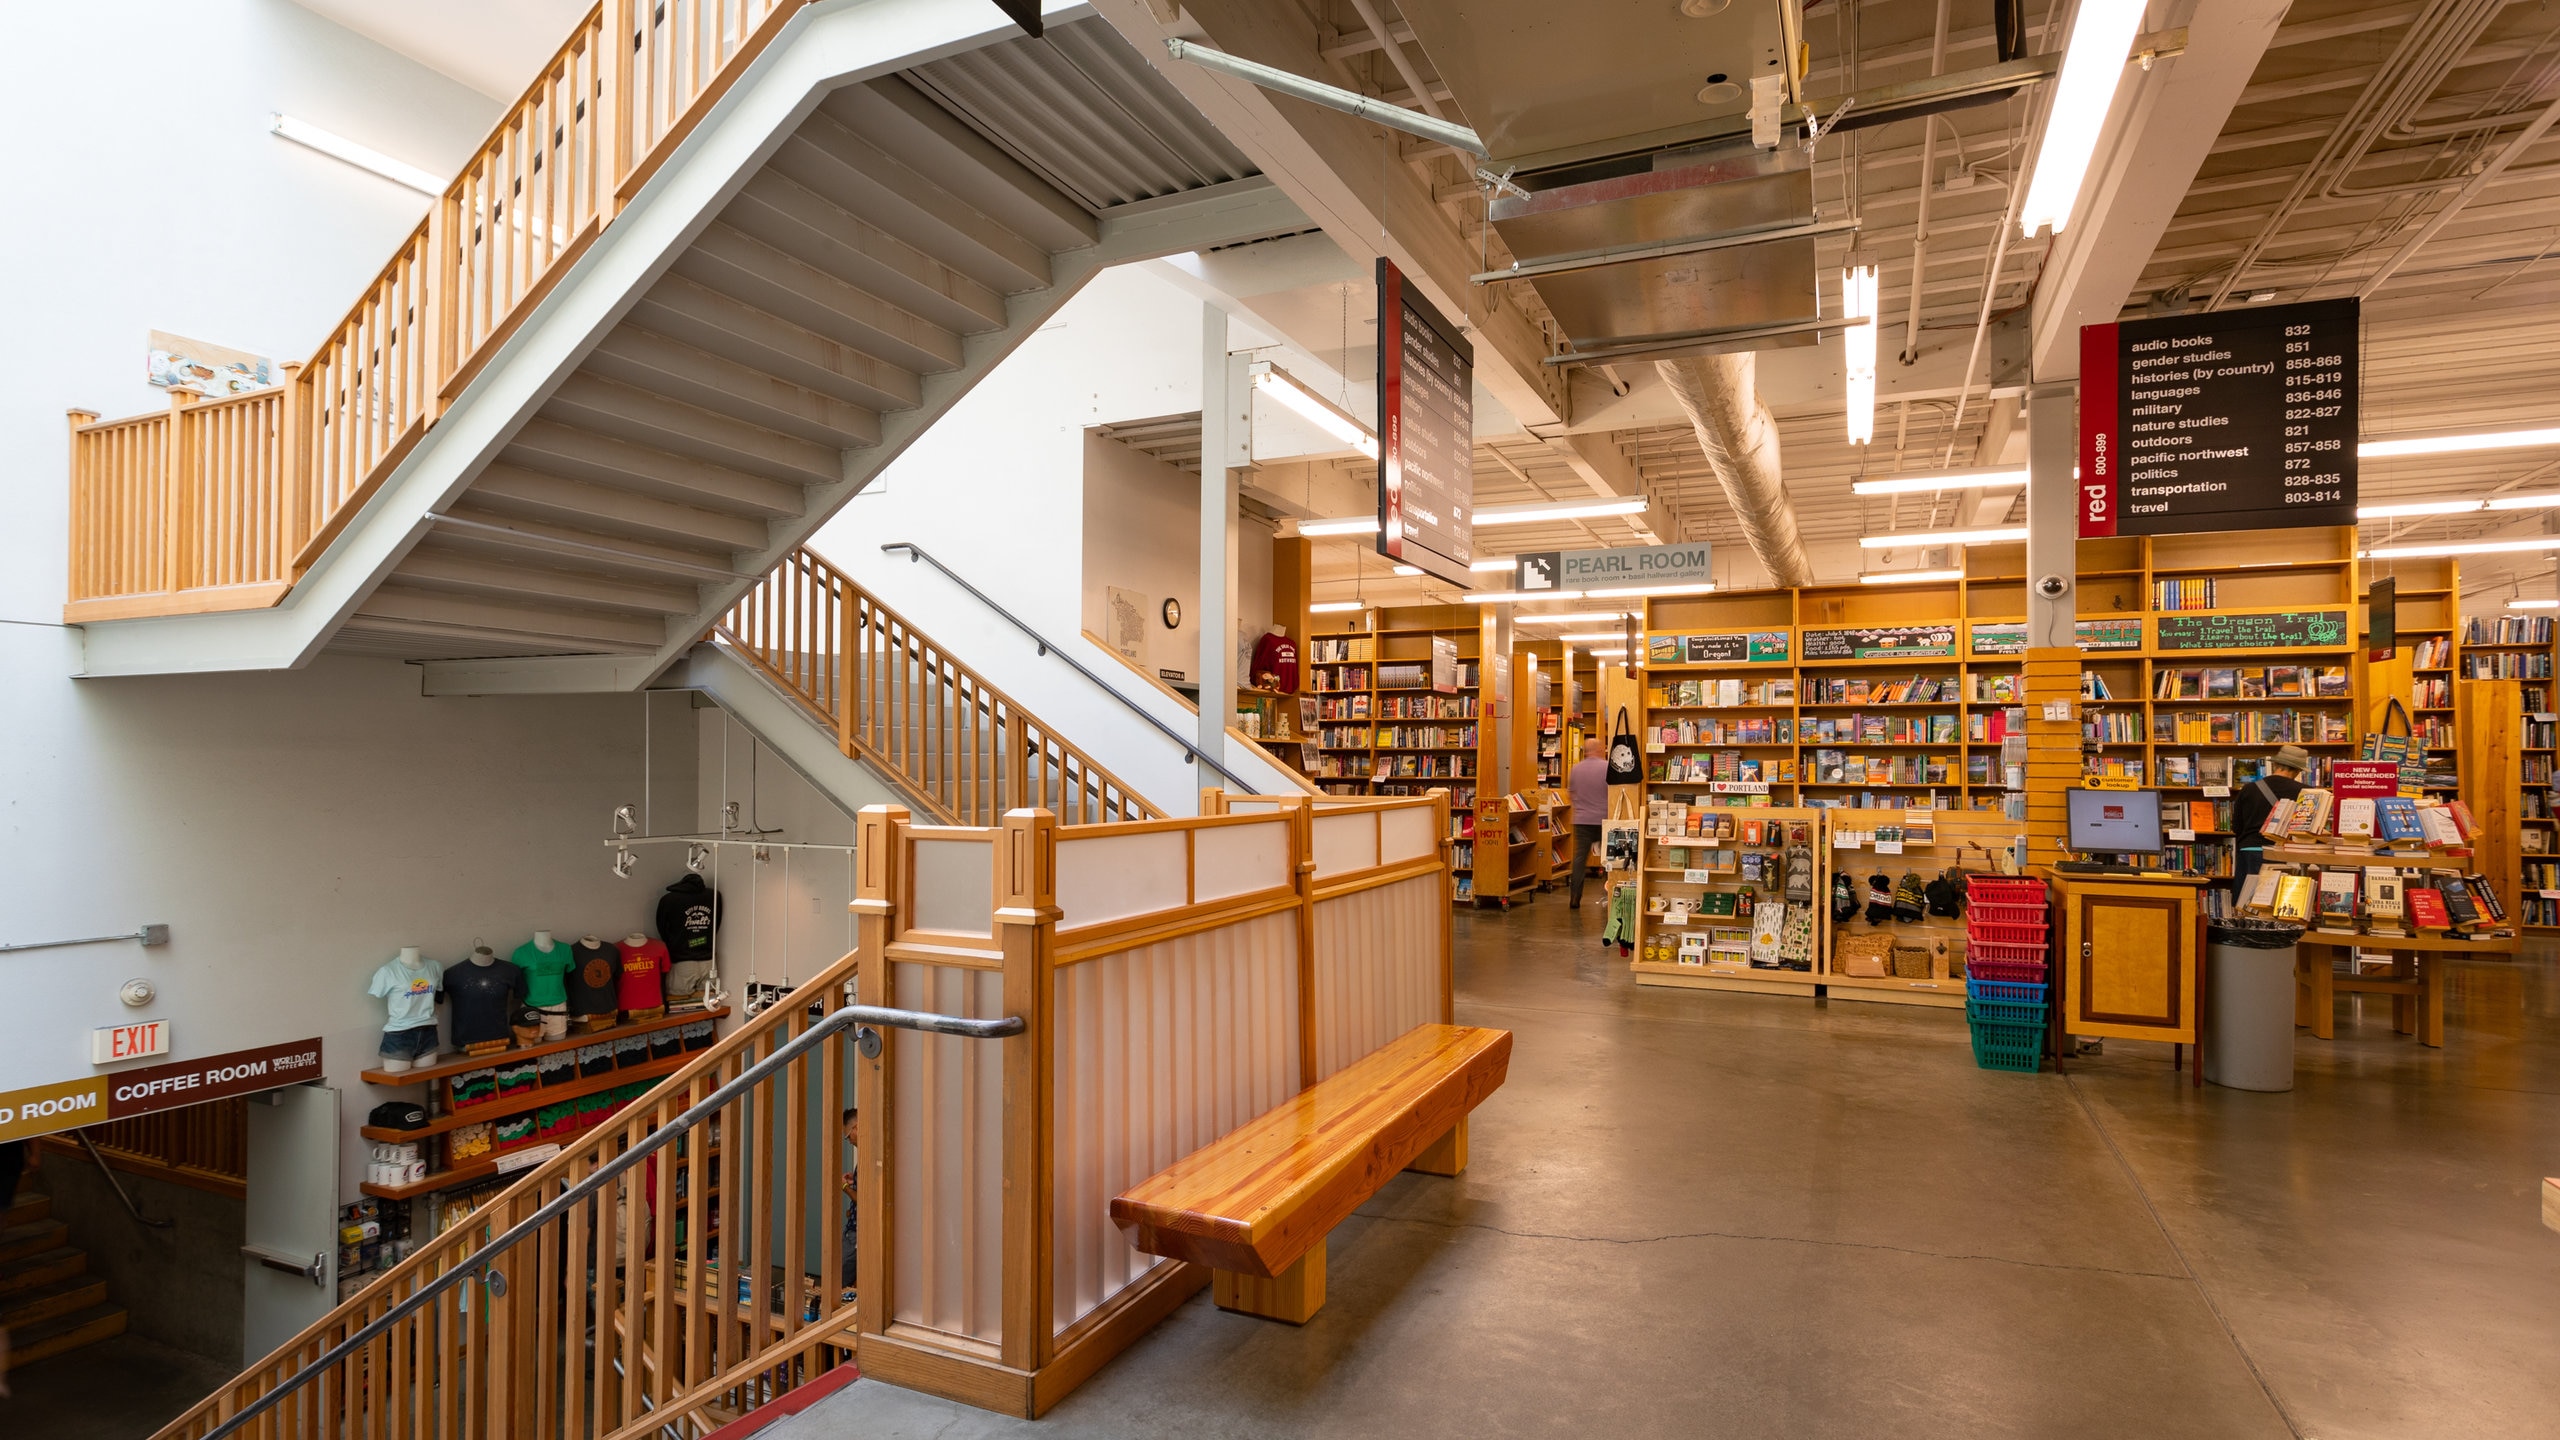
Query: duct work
[[1721, 396]]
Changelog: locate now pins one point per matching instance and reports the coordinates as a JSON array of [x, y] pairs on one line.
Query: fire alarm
[[137, 993]]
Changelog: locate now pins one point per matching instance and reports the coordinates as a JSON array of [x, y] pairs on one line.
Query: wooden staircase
[[49, 1302]]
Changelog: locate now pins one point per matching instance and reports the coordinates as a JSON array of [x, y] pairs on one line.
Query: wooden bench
[[1255, 1206]]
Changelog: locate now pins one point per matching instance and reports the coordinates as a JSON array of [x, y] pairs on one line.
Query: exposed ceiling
[[493, 46]]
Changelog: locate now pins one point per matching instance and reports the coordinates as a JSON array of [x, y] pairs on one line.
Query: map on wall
[[1127, 621]]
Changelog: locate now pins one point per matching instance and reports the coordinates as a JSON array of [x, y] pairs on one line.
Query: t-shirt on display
[[484, 999], [546, 973], [411, 989], [644, 970], [594, 978]]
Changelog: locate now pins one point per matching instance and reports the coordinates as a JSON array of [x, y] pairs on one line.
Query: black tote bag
[[1626, 764]]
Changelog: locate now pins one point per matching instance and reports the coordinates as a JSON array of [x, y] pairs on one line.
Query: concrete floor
[[1710, 1214]]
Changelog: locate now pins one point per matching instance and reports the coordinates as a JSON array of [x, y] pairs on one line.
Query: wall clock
[[1172, 614]]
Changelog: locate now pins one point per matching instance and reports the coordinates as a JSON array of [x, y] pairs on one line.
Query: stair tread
[[29, 1208], [19, 1308], [42, 1265], [53, 1336], [21, 1240]]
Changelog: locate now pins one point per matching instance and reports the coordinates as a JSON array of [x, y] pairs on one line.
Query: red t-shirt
[[644, 970], [1275, 655]]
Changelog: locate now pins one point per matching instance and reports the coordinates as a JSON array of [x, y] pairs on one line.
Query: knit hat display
[[1908, 901], [1879, 898], [1844, 897]]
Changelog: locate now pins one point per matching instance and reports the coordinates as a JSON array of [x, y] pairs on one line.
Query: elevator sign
[[2227, 420]]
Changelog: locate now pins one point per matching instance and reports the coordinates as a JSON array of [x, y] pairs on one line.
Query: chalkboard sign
[[2288, 630], [1715, 649], [1880, 643]]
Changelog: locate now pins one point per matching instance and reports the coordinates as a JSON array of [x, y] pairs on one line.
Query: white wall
[[783, 918], [292, 830], [1142, 534], [997, 492]]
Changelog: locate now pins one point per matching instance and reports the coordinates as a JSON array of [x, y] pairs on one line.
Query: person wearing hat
[[2251, 806]]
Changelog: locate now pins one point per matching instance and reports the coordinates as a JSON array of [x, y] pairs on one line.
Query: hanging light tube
[[1492, 563], [1332, 607], [2533, 604], [2093, 64], [2398, 509], [1858, 304], [2460, 547], [1293, 394], [1558, 510], [1321, 528], [1577, 617], [1948, 480], [1942, 537], [1907, 577], [363, 157], [2456, 444]]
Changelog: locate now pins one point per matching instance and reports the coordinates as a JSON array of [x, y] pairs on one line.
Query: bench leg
[[1295, 1295], [1447, 1155]]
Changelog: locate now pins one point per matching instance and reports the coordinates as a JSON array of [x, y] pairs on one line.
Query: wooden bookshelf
[[2513, 650], [1680, 872], [1372, 716]]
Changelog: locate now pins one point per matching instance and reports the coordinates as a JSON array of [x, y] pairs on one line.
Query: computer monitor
[[2121, 822]]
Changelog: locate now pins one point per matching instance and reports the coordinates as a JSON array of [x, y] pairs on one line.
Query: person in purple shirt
[[1589, 787]]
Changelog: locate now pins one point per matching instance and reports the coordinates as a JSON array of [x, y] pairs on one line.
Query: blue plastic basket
[[2004, 990], [2007, 1012]]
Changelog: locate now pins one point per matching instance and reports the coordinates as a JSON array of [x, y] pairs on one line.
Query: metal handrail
[[1190, 748], [854, 1017]]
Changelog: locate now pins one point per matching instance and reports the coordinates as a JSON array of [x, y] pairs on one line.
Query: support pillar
[[1226, 438], [2052, 670]]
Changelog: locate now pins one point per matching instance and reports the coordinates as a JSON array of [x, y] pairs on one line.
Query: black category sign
[[2287, 630], [2228, 420], [1886, 643], [1714, 649], [1426, 434]]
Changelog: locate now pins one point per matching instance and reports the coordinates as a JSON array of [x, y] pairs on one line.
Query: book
[[2458, 907], [2262, 891], [2426, 908], [2294, 896], [2337, 904], [2355, 819], [2395, 818], [2485, 896], [2435, 824], [2462, 820], [2382, 899], [2314, 811], [2221, 684]]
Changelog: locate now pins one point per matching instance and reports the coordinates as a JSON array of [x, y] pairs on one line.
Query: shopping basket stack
[[2005, 977]]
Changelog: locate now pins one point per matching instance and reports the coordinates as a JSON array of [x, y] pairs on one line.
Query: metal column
[[1226, 437]]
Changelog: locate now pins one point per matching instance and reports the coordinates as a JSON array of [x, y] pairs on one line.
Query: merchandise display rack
[[1674, 896]]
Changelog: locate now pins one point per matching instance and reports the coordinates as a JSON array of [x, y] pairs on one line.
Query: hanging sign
[[2227, 420], [215, 1077], [1444, 665], [1426, 434], [1603, 570], [1880, 643]]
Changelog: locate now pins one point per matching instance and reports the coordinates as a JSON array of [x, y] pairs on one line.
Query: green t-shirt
[[545, 975]]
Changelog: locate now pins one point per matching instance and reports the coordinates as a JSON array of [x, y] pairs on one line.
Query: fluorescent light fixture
[[1408, 569], [1558, 510], [1330, 607], [1948, 480], [2542, 501], [1577, 617], [1621, 592], [1292, 393], [2455, 444], [2092, 66], [1338, 527], [1941, 537], [1907, 577], [1617, 654], [1858, 303], [2533, 604], [1492, 563], [1592, 637], [339, 147], [1505, 597], [2463, 547], [2416, 507]]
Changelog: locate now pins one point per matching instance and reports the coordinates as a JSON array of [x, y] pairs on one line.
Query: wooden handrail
[[164, 521], [965, 750]]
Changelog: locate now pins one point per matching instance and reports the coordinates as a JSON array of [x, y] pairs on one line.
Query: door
[[289, 1261], [2129, 961]]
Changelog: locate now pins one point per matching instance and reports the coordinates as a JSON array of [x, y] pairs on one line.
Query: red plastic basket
[[2013, 972], [2004, 890], [1998, 913], [1998, 933]]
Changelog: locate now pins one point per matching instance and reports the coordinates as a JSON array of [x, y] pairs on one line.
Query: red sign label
[[2365, 779], [2101, 432]]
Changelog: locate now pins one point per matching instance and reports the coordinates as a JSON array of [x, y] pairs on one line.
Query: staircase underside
[[887, 202]]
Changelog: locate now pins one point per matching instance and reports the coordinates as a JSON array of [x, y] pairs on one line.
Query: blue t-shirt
[[411, 989]]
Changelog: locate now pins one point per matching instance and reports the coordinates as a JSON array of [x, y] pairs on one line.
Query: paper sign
[[1888, 847], [1844, 840], [1738, 787], [2217, 792], [1654, 747], [2365, 779], [1698, 877], [1675, 917], [2179, 834], [2057, 709]]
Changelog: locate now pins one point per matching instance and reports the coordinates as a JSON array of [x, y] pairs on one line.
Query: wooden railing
[[222, 506], [1192, 972], [205, 1147], [891, 696]]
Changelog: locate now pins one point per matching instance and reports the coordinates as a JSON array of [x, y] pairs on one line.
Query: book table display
[[2399, 910]]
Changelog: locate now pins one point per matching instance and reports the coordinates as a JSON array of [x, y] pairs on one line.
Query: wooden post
[[848, 652], [175, 509], [613, 71], [84, 508], [2490, 736], [2051, 674], [1302, 877], [879, 863], [439, 275], [1292, 591], [1026, 921], [293, 473]]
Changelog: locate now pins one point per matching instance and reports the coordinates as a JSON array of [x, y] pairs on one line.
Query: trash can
[[2248, 1006]]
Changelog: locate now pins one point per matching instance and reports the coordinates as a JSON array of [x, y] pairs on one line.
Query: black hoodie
[[687, 914]]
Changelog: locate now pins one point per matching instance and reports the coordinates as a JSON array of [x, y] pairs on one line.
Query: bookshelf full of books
[[2518, 649], [1393, 717]]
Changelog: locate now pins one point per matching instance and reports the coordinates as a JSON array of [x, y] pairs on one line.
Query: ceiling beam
[[2163, 125], [1348, 176]]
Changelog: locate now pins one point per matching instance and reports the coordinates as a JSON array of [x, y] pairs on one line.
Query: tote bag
[[1626, 764]]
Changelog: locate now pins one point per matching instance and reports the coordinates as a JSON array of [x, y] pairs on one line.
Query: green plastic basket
[[2004, 1045]]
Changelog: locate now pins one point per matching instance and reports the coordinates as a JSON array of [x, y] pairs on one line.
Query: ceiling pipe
[[1332, 97], [1721, 396], [1928, 183], [2488, 176]]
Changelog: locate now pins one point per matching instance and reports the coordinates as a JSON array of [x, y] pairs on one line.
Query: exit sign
[[128, 1042]]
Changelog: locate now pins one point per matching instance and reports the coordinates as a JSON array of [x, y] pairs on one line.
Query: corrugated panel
[[1087, 112], [1377, 968], [1157, 1052]]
